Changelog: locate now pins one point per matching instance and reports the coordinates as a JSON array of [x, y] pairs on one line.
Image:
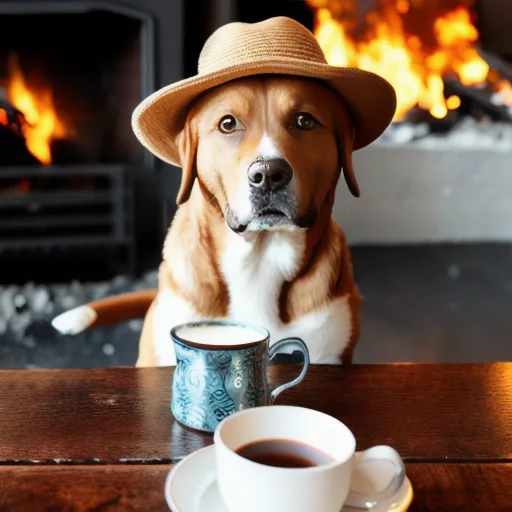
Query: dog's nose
[[270, 174]]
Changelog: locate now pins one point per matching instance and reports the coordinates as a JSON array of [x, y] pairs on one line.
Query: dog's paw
[[75, 320]]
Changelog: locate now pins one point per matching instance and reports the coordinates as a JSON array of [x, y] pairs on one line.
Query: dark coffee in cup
[[255, 448], [284, 453]]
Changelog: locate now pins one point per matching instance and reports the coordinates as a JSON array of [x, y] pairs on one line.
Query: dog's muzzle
[[269, 175], [270, 194], [273, 201]]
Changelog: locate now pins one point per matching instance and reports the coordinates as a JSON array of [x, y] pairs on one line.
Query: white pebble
[[109, 349], [40, 299], [135, 325], [454, 272]]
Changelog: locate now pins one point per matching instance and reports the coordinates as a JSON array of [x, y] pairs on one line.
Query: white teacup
[[248, 486]]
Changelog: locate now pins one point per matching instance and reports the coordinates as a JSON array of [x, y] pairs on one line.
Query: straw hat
[[278, 45]]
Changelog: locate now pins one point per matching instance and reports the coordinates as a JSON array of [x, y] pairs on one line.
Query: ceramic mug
[[248, 486], [222, 368]]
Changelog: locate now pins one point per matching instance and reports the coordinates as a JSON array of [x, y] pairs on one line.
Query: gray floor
[[421, 304], [435, 303]]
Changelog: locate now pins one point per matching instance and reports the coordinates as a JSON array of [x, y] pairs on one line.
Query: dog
[[253, 239]]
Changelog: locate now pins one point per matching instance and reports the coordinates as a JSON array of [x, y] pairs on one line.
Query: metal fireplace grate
[[67, 206]]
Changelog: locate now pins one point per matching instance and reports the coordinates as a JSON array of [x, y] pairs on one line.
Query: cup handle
[[363, 501], [274, 349]]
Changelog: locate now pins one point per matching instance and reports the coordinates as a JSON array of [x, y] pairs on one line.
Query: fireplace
[[74, 181], [441, 172]]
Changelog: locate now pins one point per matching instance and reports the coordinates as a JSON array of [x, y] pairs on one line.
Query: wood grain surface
[[125, 488], [104, 440], [428, 413]]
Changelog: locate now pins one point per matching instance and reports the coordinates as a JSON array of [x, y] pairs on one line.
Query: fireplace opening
[[73, 92], [429, 50], [432, 54], [71, 75], [417, 47]]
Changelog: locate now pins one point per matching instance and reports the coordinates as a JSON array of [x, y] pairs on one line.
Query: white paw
[[75, 320]]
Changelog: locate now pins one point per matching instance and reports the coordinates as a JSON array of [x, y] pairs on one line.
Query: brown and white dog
[[253, 239]]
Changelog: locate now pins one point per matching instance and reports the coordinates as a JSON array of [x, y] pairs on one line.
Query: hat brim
[[159, 118]]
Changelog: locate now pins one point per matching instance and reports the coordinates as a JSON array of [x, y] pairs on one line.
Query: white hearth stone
[[451, 188]]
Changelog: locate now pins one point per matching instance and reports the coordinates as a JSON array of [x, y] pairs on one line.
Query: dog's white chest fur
[[255, 271]]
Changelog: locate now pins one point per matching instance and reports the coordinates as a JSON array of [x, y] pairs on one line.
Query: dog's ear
[[345, 140], [187, 147]]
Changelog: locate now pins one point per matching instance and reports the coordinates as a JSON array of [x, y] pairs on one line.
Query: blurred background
[[84, 209]]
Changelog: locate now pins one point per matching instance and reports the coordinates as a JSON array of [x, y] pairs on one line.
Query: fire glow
[[41, 124], [414, 66]]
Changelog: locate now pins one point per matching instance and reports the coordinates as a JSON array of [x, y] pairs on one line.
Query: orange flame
[[37, 106], [415, 69], [505, 92], [3, 117]]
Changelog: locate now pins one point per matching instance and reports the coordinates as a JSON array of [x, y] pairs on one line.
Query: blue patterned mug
[[222, 368]]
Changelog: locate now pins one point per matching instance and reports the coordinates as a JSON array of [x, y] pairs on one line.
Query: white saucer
[[191, 486]]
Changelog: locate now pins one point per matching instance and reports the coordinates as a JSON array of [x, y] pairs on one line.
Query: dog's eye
[[305, 121], [229, 124]]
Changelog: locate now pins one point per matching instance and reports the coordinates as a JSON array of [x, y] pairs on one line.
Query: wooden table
[[78, 440]]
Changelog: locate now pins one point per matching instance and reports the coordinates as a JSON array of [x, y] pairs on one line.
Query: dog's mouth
[[265, 219], [271, 213], [269, 218]]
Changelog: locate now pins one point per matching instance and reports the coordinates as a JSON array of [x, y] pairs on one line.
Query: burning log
[[11, 117], [477, 100], [496, 62], [14, 149], [420, 116], [502, 78]]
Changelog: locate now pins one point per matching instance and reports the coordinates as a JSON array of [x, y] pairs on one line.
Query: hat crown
[[241, 43]]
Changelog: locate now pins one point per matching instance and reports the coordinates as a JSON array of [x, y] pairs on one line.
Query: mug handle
[[274, 349], [364, 501]]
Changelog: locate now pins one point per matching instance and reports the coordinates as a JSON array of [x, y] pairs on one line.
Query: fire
[[42, 124], [414, 65], [504, 89]]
